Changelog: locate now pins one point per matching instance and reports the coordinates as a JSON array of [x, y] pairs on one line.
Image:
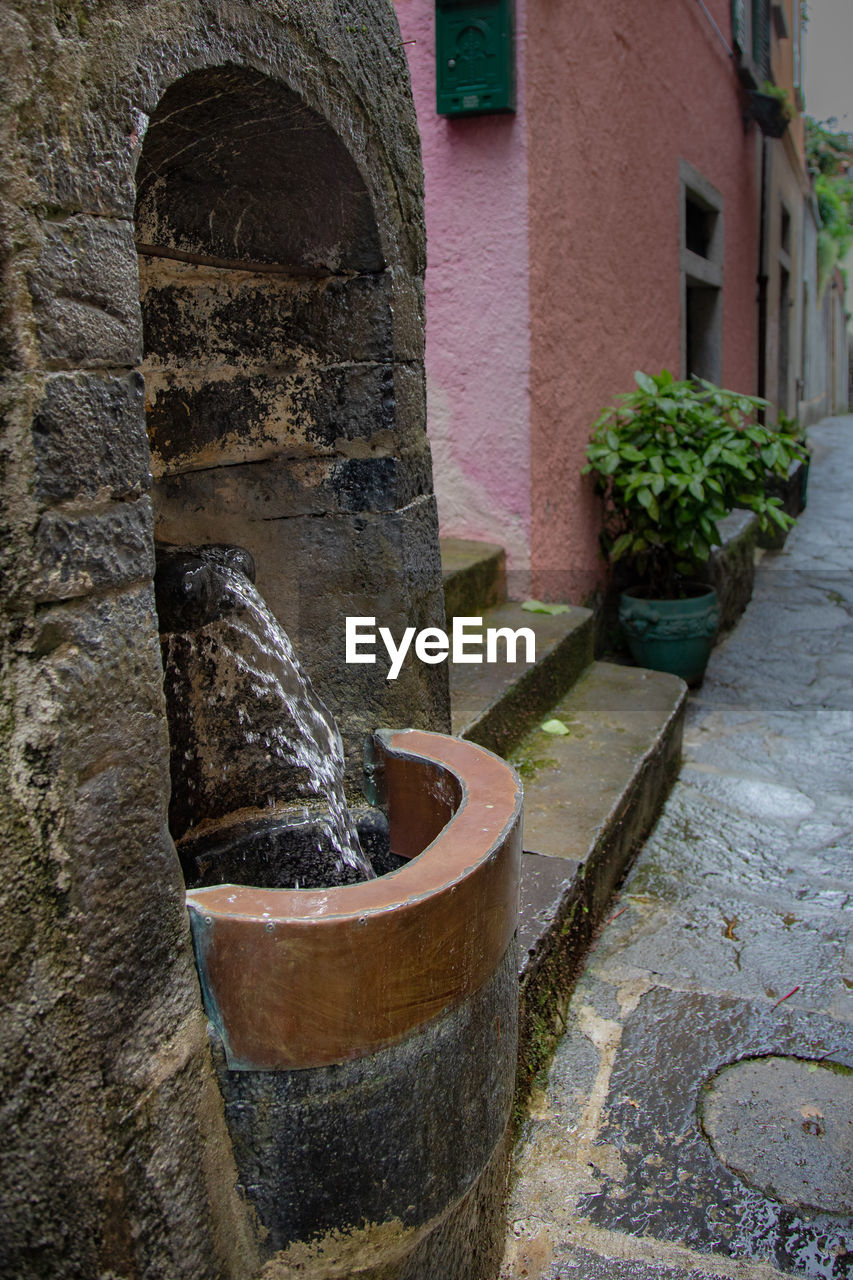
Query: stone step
[[590, 799], [591, 796], [474, 576], [494, 704]]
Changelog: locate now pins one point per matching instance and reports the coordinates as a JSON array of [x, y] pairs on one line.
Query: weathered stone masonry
[[296, 362]]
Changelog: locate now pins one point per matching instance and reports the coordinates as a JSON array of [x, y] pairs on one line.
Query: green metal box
[[474, 57]]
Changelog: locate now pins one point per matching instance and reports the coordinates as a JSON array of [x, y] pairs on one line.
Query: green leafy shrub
[[829, 153], [670, 460], [772, 90]]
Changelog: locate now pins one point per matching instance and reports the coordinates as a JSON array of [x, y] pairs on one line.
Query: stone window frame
[[701, 272]]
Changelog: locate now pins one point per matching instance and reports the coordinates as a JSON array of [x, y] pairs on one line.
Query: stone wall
[[115, 1156]]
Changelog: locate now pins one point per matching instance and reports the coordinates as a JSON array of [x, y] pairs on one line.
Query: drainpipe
[[762, 274]]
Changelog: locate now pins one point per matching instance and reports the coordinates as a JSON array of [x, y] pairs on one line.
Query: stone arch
[[236, 168], [272, 374]]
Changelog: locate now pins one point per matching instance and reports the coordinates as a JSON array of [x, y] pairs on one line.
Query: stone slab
[[785, 1126], [577, 785], [474, 576], [631, 720], [494, 703], [546, 885], [665, 1179]]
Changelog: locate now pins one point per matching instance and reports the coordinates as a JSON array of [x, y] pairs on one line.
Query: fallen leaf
[[536, 606], [556, 727]]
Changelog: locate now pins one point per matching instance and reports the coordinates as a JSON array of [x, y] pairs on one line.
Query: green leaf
[[620, 546], [645, 383], [646, 499], [776, 513], [608, 464], [536, 606], [556, 727]]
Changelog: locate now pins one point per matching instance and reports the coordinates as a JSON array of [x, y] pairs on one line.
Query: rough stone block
[[731, 568], [89, 438], [409, 317], [240, 418], [387, 566], [95, 175], [99, 667], [216, 505], [410, 403], [80, 554], [85, 293], [191, 313]]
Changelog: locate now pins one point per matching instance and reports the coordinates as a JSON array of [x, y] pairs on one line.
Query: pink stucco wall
[[554, 257], [478, 322], [616, 99]]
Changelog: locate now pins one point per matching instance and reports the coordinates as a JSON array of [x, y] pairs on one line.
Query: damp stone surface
[[696, 1119], [785, 1126]]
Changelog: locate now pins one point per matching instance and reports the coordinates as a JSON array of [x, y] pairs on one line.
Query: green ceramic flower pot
[[671, 635]]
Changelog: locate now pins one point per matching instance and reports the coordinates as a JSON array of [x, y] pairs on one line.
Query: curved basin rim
[[485, 815]]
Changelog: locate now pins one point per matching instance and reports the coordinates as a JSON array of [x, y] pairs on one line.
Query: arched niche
[[237, 170], [259, 252], [268, 356]]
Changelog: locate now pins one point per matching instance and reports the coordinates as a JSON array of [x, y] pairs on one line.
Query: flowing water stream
[[264, 653], [245, 717]]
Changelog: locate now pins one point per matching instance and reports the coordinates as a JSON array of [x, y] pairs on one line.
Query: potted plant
[[771, 108], [794, 483], [670, 460]]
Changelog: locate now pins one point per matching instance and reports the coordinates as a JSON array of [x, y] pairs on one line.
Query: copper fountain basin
[[308, 977]]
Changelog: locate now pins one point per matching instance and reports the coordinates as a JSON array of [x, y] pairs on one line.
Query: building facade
[[630, 213]]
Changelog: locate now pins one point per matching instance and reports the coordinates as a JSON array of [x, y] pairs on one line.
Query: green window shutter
[[739, 23], [761, 37]]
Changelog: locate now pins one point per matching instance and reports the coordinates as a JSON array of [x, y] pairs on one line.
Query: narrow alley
[[647, 1152]]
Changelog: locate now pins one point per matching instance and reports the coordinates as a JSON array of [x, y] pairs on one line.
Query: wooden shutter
[[739, 24], [761, 37]]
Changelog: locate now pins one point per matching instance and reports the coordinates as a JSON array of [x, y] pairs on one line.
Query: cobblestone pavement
[[648, 1152]]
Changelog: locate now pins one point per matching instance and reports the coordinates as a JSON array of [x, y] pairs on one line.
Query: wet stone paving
[[697, 1120]]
